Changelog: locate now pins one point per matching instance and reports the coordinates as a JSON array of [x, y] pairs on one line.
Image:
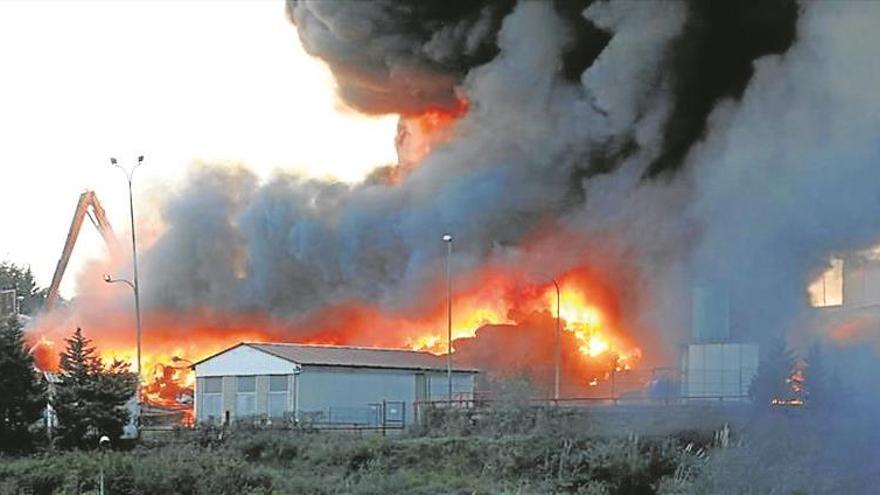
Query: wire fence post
[[384, 417]]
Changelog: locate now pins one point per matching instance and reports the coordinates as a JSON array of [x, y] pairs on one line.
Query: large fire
[[593, 344], [494, 305]]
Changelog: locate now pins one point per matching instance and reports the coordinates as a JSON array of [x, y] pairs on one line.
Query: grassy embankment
[[505, 451]]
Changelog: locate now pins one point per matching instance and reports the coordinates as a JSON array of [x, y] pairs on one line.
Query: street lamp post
[[135, 286], [447, 238], [558, 347], [178, 359], [131, 285]]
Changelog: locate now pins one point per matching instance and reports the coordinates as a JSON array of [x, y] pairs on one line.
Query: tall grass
[[508, 450]]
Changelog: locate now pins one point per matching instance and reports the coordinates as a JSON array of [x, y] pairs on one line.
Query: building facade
[[322, 384], [715, 366]]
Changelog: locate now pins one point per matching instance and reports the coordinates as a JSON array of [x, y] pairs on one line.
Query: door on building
[[421, 395]]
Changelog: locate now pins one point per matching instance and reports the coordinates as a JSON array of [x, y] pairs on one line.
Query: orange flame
[[418, 135], [485, 300]]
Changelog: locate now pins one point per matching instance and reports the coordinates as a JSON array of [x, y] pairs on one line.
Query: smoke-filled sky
[[175, 81]]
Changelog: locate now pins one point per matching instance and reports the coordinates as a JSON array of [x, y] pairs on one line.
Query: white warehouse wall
[[244, 361], [463, 385], [326, 393], [341, 393]]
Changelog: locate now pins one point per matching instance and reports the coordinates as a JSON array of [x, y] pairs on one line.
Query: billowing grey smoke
[[303, 243], [789, 175], [773, 177], [725, 143], [295, 244]]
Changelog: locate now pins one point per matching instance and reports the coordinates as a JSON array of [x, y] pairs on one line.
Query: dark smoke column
[[399, 57]]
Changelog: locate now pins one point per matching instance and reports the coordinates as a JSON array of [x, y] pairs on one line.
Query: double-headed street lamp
[[135, 286], [447, 238]]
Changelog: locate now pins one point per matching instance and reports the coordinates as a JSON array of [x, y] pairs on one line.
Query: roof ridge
[[288, 351], [335, 346]]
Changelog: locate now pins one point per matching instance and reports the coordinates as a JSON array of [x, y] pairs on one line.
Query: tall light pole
[[558, 346], [131, 285], [447, 238], [129, 173]]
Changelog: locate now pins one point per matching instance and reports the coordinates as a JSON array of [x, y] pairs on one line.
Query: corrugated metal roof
[[369, 357]]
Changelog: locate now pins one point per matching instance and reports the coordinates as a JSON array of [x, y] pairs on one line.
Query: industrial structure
[[846, 301], [851, 283], [713, 365], [846, 298], [322, 384]]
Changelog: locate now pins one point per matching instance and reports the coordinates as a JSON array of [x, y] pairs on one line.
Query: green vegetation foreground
[[514, 451], [244, 461]]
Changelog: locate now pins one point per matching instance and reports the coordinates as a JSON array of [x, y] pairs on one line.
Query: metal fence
[[380, 416], [484, 402]]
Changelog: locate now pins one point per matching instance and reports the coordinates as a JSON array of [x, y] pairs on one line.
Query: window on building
[[212, 398], [246, 396], [278, 395], [827, 290]]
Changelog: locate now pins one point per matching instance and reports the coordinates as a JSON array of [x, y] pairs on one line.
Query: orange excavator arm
[[88, 205]]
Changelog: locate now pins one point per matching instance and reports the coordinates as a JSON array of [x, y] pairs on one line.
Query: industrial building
[[714, 366], [846, 298], [851, 282], [322, 384]]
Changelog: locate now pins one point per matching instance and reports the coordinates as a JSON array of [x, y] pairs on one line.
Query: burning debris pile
[[625, 149]]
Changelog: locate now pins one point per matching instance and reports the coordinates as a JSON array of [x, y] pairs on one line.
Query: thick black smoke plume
[[712, 59], [400, 57], [391, 56]]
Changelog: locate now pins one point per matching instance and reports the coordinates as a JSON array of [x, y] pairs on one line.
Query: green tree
[[772, 378], [821, 388], [90, 399], [22, 280], [22, 390]]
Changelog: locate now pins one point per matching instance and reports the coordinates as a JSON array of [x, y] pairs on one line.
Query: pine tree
[[22, 391], [90, 398], [21, 279], [820, 391], [771, 380]]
